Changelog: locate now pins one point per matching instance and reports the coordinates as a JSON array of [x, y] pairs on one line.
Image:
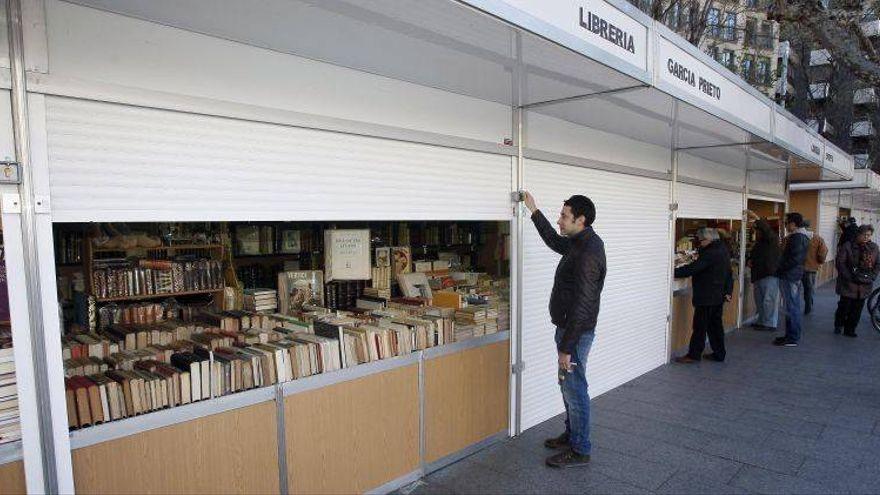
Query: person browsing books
[[574, 309]]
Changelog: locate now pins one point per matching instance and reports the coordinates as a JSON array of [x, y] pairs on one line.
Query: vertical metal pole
[[29, 240], [673, 216], [742, 243], [517, 327]]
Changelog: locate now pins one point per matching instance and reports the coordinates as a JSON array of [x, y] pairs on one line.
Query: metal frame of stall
[[736, 140]]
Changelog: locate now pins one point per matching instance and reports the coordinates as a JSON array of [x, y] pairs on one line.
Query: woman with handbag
[[858, 263]]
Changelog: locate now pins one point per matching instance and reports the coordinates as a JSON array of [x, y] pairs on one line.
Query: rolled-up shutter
[[632, 219], [110, 162], [706, 202]]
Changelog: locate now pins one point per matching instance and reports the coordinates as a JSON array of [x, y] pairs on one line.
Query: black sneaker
[[838, 330], [779, 341], [711, 356], [568, 459], [560, 442], [850, 334]]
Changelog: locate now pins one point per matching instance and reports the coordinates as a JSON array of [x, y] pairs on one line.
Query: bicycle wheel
[[874, 308]]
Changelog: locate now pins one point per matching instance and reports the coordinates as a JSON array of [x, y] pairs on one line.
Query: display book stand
[[93, 254]]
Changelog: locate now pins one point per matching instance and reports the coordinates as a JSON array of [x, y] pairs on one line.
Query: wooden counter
[[12, 478]]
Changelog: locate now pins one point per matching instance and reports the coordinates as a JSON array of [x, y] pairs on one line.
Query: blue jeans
[[576, 395], [767, 301], [791, 296]]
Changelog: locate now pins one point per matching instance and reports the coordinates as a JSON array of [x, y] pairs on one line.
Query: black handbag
[[862, 276]]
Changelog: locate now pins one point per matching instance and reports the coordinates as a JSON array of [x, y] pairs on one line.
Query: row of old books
[[200, 370], [10, 428], [144, 313], [121, 278]]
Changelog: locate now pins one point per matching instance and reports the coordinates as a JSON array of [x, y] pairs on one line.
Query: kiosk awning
[[604, 65]]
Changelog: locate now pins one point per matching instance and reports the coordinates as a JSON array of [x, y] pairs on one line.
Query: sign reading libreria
[[685, 72], [597, 22]]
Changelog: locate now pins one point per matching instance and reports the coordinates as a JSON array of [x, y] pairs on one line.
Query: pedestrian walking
[[858, 263]]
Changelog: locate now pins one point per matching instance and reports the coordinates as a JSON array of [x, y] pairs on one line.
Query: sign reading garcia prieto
[[677, 69], [597, 22], [686, 74]]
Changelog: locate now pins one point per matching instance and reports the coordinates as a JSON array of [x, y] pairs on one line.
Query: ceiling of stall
[[446, 45]]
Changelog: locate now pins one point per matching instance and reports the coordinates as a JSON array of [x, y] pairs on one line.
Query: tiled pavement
[[802, 420]]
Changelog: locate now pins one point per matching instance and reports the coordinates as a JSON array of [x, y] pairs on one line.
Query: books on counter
[[261, 300]]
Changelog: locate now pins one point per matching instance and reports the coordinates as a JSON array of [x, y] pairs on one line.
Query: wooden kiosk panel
[[230, 452], [466, 398], [12, 478], [353, 436]]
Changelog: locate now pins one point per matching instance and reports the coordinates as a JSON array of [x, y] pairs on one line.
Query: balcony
[[819, 91], [820, 125], [820, 57], [865, 95], [871, 28], [863, 128], [861, 161]]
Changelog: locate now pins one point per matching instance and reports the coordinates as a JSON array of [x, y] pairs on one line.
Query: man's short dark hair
[[581, 206], [795, 218], [866, 228]]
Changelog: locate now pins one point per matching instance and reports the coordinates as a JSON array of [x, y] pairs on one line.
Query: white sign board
[[834, 159], [596, 22], [794, 135], [681, 70]]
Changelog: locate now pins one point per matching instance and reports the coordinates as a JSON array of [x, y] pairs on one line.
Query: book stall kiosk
[[827, 204], [339, 113]]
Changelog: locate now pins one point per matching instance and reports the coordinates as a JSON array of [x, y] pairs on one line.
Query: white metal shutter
[[706, 202], [827, 227], [632, 219], [767, 183], [111, 162]]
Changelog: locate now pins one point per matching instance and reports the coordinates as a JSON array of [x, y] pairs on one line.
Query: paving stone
[[762, 481], [803, 420], [686, 482]]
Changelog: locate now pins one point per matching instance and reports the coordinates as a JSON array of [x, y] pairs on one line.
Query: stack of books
[[10, 429], [261, 300]]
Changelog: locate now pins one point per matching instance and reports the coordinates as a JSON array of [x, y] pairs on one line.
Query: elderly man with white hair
[[712, 285]]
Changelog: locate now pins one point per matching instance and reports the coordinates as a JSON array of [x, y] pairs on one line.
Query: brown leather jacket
[[817, 253]]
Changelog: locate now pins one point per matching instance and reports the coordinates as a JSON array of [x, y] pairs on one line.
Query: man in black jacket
[[790, 273], [712, 285], [574, 309]]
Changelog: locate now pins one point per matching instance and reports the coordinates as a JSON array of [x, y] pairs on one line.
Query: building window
[[762, 73], [751, 32], [765, 39], [713, 21], [672, 17], [730, 26], [728, 59], [748, 67]]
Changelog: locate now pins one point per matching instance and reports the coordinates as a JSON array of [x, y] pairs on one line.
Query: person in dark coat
[[712, 286], [763, 261], [858, 263], [574, 310], [791, 273]]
